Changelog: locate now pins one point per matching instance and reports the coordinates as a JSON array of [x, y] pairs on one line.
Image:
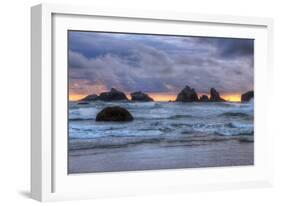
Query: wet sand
[[162, 156]]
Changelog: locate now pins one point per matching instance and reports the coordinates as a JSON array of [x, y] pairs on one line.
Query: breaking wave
[[160, 122]]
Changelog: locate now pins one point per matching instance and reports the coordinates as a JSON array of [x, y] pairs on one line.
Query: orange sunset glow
[[165, 97], [76, 97], [232, 97]]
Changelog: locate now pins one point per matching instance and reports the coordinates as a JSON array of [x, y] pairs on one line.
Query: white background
[[15, 100]]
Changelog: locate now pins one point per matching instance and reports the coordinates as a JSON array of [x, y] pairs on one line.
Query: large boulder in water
[[140, 96], [91, 97], [247, 96], [215, 96], [115, 113], [112, 95], [204, 98], [187, 95]]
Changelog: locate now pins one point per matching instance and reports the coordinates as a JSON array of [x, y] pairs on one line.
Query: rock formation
[[140, 96], [215, 96], [114, 114], [91, 97], [187, 95], [112, 95], [204, 98], [247, 96]]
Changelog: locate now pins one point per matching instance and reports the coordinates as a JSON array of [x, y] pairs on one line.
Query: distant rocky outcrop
[[115, 113], [140, 96], [112, 95], [187, 95], [91, 97], [215, 96], [204, 98], [247, 96]]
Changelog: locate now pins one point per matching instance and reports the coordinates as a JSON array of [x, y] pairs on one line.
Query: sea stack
[[187, 95], [115, 114], [247, 96], [112, 95], [140, 96], [204, 98], [91, 97], [215, 96]]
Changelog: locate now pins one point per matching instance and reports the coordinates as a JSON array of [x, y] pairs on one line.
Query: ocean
[[159, 129]]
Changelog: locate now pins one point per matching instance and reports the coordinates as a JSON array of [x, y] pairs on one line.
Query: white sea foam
[[163, 120]]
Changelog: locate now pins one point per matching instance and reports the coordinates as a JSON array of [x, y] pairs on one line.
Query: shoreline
[[157, 156]]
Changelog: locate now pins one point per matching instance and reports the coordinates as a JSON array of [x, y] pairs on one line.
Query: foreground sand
[[162, 156]]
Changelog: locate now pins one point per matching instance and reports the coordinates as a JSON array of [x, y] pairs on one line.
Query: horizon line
[[167, 96]]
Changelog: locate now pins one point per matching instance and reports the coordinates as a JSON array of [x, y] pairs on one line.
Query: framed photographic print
[[136, 102]]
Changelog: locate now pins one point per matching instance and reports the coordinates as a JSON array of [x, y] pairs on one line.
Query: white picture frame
[[49, 178]]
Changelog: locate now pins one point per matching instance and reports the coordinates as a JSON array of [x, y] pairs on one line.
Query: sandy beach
[[162, 156]]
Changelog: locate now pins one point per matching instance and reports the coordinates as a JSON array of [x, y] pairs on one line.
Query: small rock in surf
[[140, 96], [204, 98]]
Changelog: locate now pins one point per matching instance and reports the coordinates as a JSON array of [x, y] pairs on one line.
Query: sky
[[159, 65]]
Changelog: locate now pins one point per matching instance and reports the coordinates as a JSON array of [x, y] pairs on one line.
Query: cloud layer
[[158, 63]]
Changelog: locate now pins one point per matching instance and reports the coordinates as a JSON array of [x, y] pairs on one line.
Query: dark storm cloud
[[238, 48], [154, 63], [230, 47]]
